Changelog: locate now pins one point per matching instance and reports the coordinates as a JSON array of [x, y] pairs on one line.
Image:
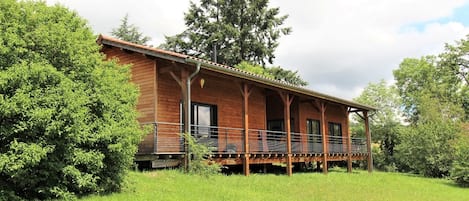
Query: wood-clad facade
[[244, 118]]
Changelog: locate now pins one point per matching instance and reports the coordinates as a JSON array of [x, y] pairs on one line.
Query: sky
[[338, 46]]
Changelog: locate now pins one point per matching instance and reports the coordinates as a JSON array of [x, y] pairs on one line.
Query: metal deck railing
[[166, 138]]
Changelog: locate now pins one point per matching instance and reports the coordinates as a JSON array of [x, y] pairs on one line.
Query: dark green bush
[[67, 118], [460, 170], [427, 148]]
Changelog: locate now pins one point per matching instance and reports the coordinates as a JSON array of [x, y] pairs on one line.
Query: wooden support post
[[287, 100], [324, 137], [187, 119], [349, 141], [368, 141], [246, 91]]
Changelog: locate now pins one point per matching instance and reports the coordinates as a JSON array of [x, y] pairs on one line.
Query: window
[[335, 129], [278, 125], [204, 122], [313, 129], [204, 117]]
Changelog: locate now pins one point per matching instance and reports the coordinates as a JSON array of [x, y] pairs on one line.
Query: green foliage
[[253, 68], [427, 148], [67, 118], [460, 167], [421, 79], [277, 73], [245, 30], [130, 32], [384, 122], [288, 76], [200, 163]]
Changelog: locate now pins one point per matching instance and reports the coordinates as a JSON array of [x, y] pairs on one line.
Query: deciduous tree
[[67, 118]]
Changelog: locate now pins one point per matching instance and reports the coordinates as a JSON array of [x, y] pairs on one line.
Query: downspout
[[188, 85], [188, 115]]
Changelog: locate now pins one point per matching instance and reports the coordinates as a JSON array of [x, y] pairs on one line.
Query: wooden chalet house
[[244, 118]]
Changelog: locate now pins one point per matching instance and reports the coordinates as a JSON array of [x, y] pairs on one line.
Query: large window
[[313, 129], [204, 122], [335, 129]]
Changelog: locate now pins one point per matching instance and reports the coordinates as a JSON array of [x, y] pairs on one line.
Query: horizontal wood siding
[[143, 75]]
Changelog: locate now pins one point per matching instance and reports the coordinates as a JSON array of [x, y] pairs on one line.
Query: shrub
[[199, 154], [67, 118], [460, 169], [427, 148]]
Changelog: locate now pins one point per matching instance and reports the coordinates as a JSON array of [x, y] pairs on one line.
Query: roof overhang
[[227, 70]]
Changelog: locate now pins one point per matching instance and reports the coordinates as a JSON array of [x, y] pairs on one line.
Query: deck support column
[[325, 151], [287, 100], [368, 141], [245, 92], [349, 141], [185, 81]]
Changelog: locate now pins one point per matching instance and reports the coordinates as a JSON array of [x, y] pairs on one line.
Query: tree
[[67, 118], [245, 30], [428, 148], [384, 122], [421, 79], [277, 73], [455, 60], [130, 32]]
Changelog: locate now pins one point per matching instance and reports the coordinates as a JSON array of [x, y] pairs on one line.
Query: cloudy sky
[[337, 46]]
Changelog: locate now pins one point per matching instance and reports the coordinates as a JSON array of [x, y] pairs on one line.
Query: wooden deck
[[267, 147]]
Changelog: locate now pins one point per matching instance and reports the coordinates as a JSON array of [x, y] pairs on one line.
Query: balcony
[[166, 139]]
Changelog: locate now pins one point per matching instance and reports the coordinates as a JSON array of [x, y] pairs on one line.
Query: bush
[[67, 118], [427, 148], [460, 169], [200, 163]]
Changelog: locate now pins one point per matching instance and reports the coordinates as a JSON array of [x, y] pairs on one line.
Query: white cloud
[[338, 46], [341, 46]]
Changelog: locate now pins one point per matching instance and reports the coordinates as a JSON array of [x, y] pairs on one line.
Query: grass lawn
[[336, 186]]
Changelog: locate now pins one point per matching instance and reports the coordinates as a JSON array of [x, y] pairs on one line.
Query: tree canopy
[[246, 30], [431, 93], [129, 32], [67, 118]]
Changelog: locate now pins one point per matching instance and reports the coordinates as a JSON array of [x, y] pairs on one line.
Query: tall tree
[[67, 118], [455, 59], [384, 122], [129, 32], [233, 30], [420, 79]]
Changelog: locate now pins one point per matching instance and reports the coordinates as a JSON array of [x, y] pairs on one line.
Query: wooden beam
[[368, 141], [246, 92], [325, 151], [349, 140], [287, 100]]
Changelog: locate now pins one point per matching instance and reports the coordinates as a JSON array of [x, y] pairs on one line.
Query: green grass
[[170, 185]]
